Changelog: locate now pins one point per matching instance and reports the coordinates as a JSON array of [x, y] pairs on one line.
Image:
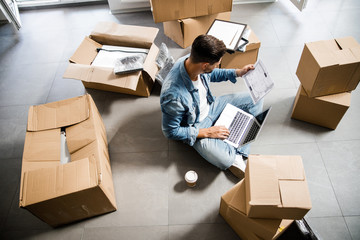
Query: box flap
[[174, 30], [105, 76], [289, 168], [254, 41], [47, 183], [295, 193], [86, 52], [345, 56], [347, 42], [58, 114], [172, 10], [124, 35], [180, 9], [86, 132], [264, 188], [42, 146], [322, 51], [238, 200], [343, 99], [150, 64]]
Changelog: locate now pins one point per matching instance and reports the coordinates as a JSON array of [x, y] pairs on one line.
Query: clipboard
[[229, 32]]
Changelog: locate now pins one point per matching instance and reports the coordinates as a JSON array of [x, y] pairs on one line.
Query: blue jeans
[[216, 151]]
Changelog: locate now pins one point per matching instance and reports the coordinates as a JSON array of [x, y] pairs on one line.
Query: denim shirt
[[180, 101]]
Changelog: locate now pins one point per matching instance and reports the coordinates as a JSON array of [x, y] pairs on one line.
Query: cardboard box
[[240, 59], [164, 10], [139, 83], [329, 67], [326, 111], [276, 187], [233, 210], [184, 31], [62, 193]]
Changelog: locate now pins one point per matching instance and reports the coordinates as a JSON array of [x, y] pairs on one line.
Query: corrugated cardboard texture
[[240, 59], [58, 114], [164, 10], [233, 208], [86, 52], [47, 183], [110, 33], [138, 83], [326, 111], [329, 67], [84, 204], [276, 187], [42, 146], [184, 31], [62, 193]]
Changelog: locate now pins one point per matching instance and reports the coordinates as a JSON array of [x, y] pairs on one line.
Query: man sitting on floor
[[189, 110]]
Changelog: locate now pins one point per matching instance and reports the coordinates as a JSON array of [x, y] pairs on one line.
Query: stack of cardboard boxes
[[328, 71], [265, 203], [184, 20]]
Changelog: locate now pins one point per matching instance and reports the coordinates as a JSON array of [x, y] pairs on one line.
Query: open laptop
[[243, 127]]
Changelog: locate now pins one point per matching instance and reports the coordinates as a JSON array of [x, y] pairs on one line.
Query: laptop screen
[[261, 117]]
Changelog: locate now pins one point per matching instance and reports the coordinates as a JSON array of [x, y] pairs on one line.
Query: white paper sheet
[[228, 32], [258, 81]]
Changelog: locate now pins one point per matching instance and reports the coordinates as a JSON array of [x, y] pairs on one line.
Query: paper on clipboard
[[229, 32], [258, 81]]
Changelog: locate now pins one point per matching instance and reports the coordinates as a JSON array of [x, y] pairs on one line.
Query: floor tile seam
[[6, 67], [287, 143], [53, 81], [326, 216], [16, 105], [83, 233], [196, 224], [331, 182], [355, 215], [353, 9], [126, 226], [289, 67], [321, 16], [273, 26], [155, 151], [2, 227], [340, 217], [338, 140]]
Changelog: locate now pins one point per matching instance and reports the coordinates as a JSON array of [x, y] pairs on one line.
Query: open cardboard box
[[326, 111], [276, 187], [62, 193], [240, 59], [184, 31], [233, 210], [329, 67], [165, 10], [139, 83]]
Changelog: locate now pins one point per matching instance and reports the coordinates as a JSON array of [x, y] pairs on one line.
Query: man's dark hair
[[207, 48]]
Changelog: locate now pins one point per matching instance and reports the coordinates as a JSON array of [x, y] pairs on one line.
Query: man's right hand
[[220, 132]]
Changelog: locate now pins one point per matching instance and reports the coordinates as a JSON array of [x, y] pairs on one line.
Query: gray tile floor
[[153, 201]]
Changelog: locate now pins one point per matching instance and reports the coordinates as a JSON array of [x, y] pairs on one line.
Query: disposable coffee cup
[[191, 177]]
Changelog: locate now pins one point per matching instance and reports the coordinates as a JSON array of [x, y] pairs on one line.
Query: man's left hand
[[245, 69]]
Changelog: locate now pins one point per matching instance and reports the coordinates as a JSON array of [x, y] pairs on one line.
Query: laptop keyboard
[[252, 133], [237, 126]]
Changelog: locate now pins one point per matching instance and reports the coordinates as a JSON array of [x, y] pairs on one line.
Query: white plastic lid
[[191, 176]]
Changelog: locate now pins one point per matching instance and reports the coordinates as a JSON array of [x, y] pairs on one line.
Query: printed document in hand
[[229, 32], [258, 81]]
